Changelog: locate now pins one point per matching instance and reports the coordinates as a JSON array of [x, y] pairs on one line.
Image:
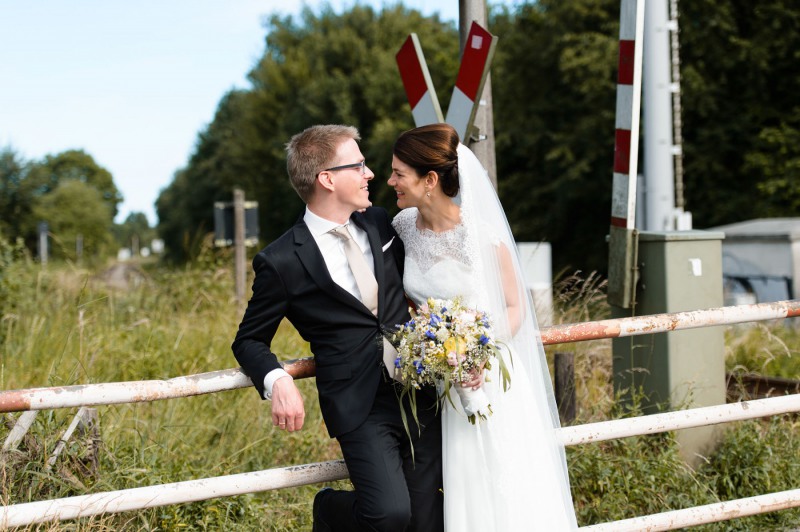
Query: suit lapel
[[377, 255], [310, 256]]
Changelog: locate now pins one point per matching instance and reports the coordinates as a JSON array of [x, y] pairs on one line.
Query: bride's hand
[[474, 380]]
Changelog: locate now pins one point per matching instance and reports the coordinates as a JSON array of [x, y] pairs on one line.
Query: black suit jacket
[[292, 281]]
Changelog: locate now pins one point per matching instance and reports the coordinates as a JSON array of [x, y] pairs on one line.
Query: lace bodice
[[438, 265]]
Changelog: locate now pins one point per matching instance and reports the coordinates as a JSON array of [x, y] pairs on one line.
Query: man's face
[[351, 186]]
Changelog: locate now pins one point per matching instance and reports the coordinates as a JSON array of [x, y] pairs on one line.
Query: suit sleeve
[[264, 313]]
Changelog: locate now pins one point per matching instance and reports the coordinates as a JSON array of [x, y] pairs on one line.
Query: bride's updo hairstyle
[[432, 147]]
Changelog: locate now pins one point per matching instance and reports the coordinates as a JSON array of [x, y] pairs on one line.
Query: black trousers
[[393, 491]]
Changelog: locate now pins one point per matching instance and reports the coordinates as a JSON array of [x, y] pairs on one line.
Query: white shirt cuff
[[270, 378]]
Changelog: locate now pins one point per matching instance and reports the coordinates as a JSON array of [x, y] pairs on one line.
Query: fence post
[[85, 422], [23, 423], [565, 386], [238, 242]]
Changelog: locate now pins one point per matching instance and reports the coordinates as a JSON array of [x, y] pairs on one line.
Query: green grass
[[766, 348], [65, 326]]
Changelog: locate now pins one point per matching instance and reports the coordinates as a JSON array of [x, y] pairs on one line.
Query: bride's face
[[408, 186]]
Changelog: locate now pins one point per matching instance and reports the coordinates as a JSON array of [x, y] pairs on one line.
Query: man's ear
[[325, 180]]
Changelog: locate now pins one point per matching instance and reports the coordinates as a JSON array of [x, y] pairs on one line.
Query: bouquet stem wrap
[[475, 403]]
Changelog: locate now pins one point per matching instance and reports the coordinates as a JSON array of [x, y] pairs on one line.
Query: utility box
[[678, 271], [537, 265]]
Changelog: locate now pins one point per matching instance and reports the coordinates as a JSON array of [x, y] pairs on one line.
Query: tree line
[[554, 89], [74, 195]]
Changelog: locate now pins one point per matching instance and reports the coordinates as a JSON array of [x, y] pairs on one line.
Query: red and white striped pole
[[417, 83], [629, 96], [621, 278], [475, 61]]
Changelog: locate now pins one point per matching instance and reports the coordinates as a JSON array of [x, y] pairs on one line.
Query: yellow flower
[[456, 344]]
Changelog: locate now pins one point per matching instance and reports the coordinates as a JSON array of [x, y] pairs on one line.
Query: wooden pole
[[79, 247], [565, 386], [238, 242], [43, 230], [482, 144]]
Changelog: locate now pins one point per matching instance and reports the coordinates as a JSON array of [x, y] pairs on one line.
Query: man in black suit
[[306, 277]]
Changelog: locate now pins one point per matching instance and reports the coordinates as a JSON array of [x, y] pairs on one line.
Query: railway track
[[744, 386]]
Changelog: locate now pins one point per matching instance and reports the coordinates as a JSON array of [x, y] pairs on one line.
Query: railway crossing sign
[[475, 61], [417, 83]]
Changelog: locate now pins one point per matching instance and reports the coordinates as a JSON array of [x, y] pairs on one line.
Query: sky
[[132, 83]]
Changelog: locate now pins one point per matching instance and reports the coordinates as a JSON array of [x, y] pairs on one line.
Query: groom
[[316, 277]]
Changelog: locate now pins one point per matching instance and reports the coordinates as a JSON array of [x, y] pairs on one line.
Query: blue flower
[[419, 366], [410, 324], [444, 310], [397, 362], [430, 334], [483, 340], [435, 320]]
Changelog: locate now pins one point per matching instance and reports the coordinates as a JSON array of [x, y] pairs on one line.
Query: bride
[[507, 472]]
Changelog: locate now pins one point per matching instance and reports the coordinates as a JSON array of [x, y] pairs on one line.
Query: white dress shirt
[[332, 249]]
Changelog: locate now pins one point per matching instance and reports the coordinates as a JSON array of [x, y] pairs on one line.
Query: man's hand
[[288, 411]]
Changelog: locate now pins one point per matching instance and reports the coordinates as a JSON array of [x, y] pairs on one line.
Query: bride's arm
[[515, 310]]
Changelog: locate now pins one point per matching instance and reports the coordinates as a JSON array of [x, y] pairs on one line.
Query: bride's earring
[[428, 193]]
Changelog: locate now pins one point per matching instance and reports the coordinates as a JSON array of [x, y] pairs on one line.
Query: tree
[[328, 69], [45, 176], [15, 207], [134, 231], [554, 84], [740, 83], [741, 122], [75, 210], [24, 185]]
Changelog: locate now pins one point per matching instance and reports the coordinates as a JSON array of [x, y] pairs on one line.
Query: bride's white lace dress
[[502, 474]]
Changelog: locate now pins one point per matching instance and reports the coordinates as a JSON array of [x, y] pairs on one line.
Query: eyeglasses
[[362, 167]]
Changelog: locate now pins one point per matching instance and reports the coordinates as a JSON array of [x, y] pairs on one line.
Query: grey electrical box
[[678, 271]]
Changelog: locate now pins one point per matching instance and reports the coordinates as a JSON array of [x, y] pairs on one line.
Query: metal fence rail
[[701, 515], [174, 493]]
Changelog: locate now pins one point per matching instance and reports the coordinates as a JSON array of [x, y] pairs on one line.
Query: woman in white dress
[[508, 472]]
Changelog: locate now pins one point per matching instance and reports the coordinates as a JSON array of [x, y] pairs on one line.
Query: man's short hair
[[313, 150]]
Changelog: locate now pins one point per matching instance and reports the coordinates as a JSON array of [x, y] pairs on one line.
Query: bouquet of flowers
[[445, 343]]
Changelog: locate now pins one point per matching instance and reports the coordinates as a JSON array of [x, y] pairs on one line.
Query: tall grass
[[64, 326], [68, 327], [767, 348]]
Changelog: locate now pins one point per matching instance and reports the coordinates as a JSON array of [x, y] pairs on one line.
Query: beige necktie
[[367, 285], [365, 279]]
